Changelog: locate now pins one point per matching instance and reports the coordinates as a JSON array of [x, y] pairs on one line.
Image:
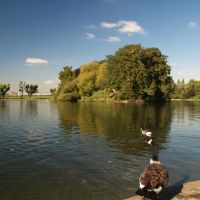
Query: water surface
[[91, 151]]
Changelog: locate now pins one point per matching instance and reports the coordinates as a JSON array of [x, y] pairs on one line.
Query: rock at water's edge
[[187, 191]]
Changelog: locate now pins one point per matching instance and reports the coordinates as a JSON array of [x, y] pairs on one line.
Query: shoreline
[[25, 97], [50, 97], [184, 191], [185, 99]]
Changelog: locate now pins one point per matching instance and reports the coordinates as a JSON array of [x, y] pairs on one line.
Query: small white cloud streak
[[123, 26], [113, 39], [46, 85], [49, 82], [192, 24], [36, 61], [108, 25], [89, 36]]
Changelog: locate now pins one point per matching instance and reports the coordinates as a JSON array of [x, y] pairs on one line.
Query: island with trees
[[132, 74]]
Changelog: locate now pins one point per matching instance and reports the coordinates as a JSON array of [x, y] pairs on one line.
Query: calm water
[[77, 151]]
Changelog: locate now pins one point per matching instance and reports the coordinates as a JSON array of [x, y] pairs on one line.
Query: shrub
[[73, 96]]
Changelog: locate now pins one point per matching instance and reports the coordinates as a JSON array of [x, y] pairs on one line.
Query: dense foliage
[[22, 86], [140, 73], [31, 89], [3, 89], [190, 90], [132, 73]]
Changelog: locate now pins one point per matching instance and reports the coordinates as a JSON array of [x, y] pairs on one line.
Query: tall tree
[[31, 89], [66, 75], [22, 86], [68, 89], [191, 88], [52, 91], [142, 73], [102, 76], [3, 89], [87, 77]]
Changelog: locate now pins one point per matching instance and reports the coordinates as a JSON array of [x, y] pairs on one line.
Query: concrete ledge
[[187, 191]]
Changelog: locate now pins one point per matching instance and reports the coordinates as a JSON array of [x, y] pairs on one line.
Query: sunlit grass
[[27, 97]]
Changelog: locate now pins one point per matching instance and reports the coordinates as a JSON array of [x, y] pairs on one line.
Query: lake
[[91, 151]]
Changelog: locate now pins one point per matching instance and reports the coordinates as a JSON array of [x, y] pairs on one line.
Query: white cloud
[[45, 86], [113, 39], [108, 25], [192, 24], [89, 36], [36, 61], [130, 27], [49, 82], [123, 26]]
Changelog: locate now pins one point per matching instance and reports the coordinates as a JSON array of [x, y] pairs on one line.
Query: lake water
[[91, 151]]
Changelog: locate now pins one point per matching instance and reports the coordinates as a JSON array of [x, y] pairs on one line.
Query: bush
[[100, 95], [126, 92], [73, 96]]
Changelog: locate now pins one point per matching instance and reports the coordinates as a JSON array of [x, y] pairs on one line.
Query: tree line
[[30, 89], [131, 73], [190, 90]]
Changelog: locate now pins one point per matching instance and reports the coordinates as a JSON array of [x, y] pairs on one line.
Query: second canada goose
[[146, 132], [154, 178]]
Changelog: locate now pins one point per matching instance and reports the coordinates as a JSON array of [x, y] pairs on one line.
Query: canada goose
[[146, 132], [154, 178]]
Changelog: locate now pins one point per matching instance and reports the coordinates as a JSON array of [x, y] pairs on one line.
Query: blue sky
[[39, 37]]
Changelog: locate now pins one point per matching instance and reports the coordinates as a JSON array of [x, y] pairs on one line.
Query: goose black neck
[[155, 151]]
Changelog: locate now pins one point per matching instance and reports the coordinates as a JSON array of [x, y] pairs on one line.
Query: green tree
[[66, 74], [31, 89], [3, 89], [181, 85], [192, 89], [68, 90], [53, 91], [133, 72], [101, 81], [87, 78], [197, 89], [22, 86], [158, 75], [144, 72]]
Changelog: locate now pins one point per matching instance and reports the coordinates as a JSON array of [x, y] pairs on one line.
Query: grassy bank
[[185, 99], [28, 98]]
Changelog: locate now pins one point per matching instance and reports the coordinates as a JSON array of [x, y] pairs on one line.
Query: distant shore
[[185, 99], [26, 97], [50, 97]]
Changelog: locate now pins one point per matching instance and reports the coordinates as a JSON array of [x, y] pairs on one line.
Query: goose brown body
[[154, 176]]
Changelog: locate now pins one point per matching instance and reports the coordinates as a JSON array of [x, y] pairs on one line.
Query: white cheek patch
[[154, 162], [150, 141], [158, 190], [148, 134], [141, 186]]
